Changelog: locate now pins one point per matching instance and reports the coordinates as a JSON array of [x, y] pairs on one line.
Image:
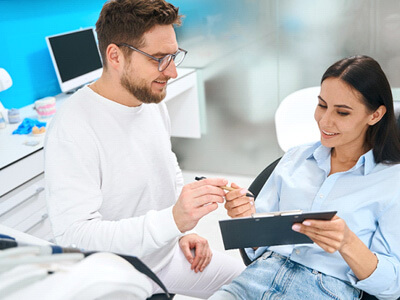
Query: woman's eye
[[343, 113], [320, 105]]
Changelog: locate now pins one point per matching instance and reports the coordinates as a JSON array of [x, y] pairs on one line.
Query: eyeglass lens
[[178, 58]]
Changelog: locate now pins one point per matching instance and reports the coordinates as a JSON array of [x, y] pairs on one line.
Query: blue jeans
[[273, 276]]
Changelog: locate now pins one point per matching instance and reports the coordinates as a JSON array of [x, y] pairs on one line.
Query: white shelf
[[183, 110]]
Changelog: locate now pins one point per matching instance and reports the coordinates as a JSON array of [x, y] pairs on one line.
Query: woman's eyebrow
[[337, 105], [343, 106]]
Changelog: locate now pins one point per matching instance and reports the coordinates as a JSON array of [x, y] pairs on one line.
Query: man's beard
[[140, 91]]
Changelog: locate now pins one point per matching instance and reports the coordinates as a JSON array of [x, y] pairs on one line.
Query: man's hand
[[197, 200], [202, 251], [237, 204]]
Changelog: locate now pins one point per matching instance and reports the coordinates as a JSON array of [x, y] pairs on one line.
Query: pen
[[227, 188]]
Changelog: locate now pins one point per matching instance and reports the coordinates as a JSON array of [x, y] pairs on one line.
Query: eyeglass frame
[[159, 60]]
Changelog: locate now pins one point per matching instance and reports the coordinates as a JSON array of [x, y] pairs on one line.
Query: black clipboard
[[269, 230]]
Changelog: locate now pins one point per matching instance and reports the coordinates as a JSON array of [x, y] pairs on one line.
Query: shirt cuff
[[189, 232], [253, 255], [164, 225], [379, 281]]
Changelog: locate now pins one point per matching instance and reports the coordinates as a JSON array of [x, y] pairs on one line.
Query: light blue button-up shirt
[[367, 197]]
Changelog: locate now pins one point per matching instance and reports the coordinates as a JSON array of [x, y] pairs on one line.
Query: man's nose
[[171, 71]]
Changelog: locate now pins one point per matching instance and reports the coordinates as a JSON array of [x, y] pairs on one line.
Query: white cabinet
[[182, 101], [24, 209]]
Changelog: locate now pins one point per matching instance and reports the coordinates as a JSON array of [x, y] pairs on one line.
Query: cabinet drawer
[[18, 206], [38, 225], [21, 171]]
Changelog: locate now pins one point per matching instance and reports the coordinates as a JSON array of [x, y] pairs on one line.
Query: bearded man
[[112, 180]]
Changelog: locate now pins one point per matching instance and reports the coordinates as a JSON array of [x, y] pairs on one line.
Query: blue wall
[[23, 50], [24, 24]]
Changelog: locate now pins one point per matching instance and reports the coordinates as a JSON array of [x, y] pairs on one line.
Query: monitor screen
[[75, 57]]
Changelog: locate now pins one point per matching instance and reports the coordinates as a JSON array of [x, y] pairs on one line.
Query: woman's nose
[[326, 119]]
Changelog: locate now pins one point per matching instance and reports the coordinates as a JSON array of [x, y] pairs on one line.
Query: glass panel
[[253, 53]]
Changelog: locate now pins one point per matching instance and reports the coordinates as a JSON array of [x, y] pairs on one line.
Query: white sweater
[[112, 178]]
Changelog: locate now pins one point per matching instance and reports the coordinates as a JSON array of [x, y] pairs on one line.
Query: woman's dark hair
[[365, 75]]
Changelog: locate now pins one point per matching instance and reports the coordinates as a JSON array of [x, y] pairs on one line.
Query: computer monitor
[[75, 57]]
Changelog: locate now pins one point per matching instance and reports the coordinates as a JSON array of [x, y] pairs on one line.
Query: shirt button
[[321, 196], [297, 251]]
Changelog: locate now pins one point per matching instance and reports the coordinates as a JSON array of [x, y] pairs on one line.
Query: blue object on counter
[[13, 116], [2, 121], [26, 126]]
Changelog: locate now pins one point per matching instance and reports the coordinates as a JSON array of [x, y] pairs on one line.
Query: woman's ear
[[377, 115]]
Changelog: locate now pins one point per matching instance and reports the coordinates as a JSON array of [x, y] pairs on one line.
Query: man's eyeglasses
[[164, 62]]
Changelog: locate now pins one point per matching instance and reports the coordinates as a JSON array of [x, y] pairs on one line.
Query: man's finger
[[207, 190], [206, 261], [186, 252], [206, 199], [206, 209], [197, 258], [201, 253], [208, 181]]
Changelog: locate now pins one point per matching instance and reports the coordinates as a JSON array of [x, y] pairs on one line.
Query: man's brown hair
[[126, 21]]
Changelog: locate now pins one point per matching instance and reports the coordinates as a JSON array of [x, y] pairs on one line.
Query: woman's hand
[[335, 235], [332, 235], [237, 204]]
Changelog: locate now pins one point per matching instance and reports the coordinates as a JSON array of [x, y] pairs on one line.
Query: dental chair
[[32, 268], [295, 125], [294, 118]]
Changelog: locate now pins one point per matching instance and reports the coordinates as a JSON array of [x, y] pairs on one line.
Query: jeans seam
[[325, 290], [277, 296]]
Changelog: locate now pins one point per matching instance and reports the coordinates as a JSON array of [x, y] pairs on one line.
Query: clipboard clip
[[277, 213]]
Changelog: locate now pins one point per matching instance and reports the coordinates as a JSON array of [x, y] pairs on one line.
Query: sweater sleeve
[[74, 197], [179, 177], [167, 122]]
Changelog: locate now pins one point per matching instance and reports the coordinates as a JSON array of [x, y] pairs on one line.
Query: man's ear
[[115, 57], [377, 115]]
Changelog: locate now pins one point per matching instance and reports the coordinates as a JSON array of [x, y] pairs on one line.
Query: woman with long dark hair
[[355, 170]]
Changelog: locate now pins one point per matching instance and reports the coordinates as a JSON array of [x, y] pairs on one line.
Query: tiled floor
[[208, 226]]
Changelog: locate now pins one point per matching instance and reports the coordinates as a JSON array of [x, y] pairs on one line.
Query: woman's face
[[342, 117]]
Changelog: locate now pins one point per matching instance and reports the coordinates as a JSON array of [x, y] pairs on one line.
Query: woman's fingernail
[[251, 203], [243, 191], [307, 223], [296, 227]]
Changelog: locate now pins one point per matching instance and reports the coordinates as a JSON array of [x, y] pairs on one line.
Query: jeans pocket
[[336, 288]]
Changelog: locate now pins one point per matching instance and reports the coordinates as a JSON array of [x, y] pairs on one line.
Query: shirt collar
[[368, 160], [322, 156]]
